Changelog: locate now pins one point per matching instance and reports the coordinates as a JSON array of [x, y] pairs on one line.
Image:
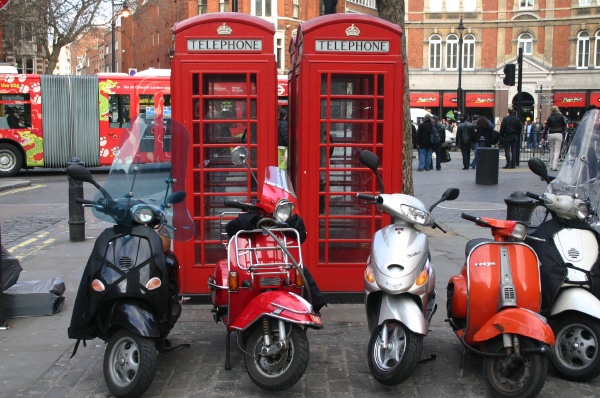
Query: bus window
[[146, 105], [119, 111], [20, 106]]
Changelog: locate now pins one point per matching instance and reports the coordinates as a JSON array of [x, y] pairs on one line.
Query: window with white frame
[[597, 49], [202, 7], [469, 52], [365, 3], [279, 53], [585, 2], [436, 5], [583, 49], [469, 5], [525, 41], [435, 52], [452, 5], [224, 5], [296, 9], [262, 8], [452, 52], [526, 4]]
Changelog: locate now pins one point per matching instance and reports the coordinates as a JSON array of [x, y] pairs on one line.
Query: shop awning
[[450, 100], [595, 99], [482, 100], [421, 100], [569, 100]]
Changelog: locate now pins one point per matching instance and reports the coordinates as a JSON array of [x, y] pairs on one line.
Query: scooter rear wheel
[[129, 364], [393, 364], [524, 380], [577, 348], [279, 371]]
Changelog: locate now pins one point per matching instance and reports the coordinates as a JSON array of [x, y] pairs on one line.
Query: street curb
[[6, 185]]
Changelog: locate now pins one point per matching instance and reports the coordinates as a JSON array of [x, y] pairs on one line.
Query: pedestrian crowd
[[474, 132]]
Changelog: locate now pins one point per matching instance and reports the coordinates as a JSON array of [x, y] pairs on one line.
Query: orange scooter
[[493, 306]]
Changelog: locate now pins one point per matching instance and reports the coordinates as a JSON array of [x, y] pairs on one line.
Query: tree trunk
[[394, 11]]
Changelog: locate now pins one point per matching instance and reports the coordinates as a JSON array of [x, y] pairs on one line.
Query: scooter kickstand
[[463, 361], [227, 349]]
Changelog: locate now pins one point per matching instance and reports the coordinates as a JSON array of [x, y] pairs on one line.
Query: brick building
[[561, 61]]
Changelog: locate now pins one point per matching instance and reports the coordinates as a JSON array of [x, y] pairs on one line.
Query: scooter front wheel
[[280, 370], [576, 351], [393, 362], [129, 363], [513, 377]]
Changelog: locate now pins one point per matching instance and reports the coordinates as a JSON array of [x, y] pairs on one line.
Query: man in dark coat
[[509, 131], [437, 149], [425, 147], [465, 134]]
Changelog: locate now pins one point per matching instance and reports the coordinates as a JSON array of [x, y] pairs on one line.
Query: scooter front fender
[[404, 309], [136, 318], [277, 304], [516, 321], [576, 299]]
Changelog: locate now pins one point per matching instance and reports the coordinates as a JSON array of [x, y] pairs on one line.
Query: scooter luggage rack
[[224, 218], [248, 257]]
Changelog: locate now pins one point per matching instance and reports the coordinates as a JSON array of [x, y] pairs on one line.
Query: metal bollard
[[76, 211], [519, 207], [481, 142]]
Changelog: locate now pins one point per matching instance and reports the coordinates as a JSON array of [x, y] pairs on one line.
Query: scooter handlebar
[[469, 217], [366, 196], [533, 196], [236, 204], [81, 201]]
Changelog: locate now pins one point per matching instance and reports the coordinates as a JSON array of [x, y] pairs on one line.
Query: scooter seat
[[474, 242]]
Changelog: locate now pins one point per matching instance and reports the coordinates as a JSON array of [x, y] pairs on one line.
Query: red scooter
[[257, 290], [493, 307]]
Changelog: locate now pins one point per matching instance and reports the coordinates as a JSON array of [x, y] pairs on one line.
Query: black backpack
[[435, 137]]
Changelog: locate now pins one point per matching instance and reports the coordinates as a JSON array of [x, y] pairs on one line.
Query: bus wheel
[[10, 160]]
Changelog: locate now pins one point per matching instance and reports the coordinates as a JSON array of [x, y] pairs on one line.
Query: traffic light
[[509, 74]]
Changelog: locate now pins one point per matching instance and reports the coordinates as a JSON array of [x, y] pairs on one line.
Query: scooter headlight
[[283, 210], [519, 232], [142, 214], [417, 216], [582, 210]]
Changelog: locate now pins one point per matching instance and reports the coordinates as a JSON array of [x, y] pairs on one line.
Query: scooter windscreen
[[578, 175], [150, 165]]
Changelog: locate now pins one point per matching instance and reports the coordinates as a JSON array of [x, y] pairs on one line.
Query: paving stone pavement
[[35, 352]]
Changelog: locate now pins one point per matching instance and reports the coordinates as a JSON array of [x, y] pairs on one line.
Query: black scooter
[[129, 291]]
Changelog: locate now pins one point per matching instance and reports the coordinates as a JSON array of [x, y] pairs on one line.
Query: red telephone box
[[224, 90], [347, 91]]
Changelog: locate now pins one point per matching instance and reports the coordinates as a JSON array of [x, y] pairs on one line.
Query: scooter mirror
[[80, 173], [451, 194], [539, 168], [369, 159], [176, 197], [239, 155]]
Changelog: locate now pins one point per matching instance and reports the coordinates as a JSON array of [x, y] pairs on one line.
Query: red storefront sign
[[479, 101], [421, 100], [595, 99], [569, 100], [450, 100]]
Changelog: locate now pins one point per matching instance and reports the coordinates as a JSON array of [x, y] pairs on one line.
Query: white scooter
[[567, 245], [399, 282]]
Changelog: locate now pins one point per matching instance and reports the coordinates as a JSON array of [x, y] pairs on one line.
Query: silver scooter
[[568, 246], [399, 281]]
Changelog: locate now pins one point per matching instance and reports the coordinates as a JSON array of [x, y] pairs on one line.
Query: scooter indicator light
[[233, 281], [97, 285], [422, 278], [299, 281], [369, 276], [153, 283]]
